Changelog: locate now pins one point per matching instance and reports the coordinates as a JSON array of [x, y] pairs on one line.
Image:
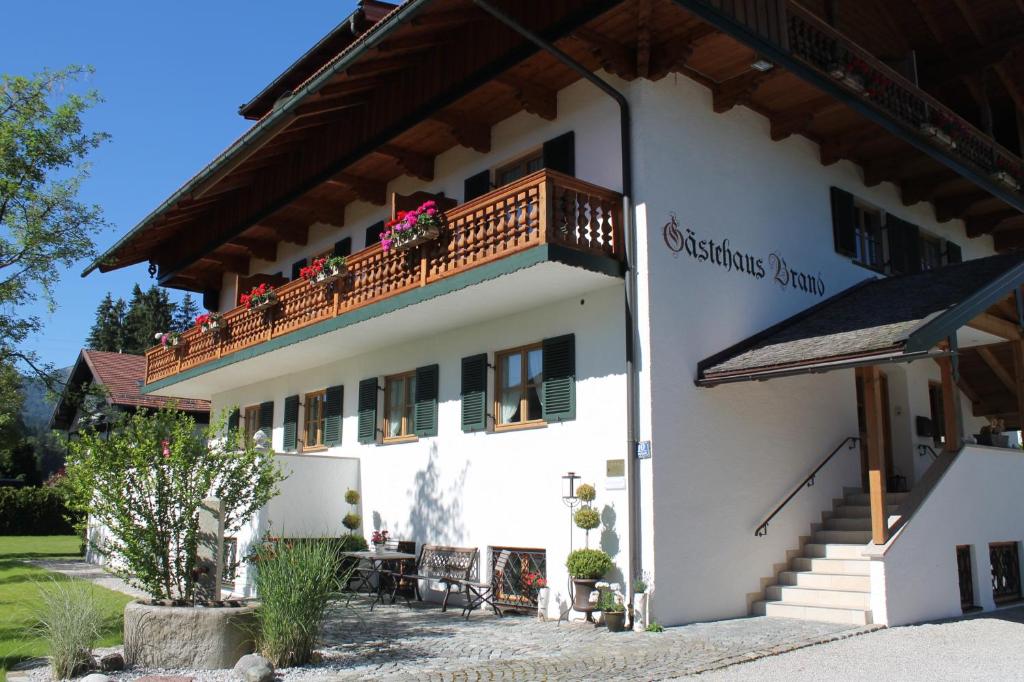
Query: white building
[[696, 289]]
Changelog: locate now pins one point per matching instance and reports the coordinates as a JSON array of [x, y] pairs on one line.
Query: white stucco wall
[[975, 503], [479, 489]]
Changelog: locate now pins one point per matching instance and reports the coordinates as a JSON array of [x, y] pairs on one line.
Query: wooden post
[[950, 414], [875, 445]]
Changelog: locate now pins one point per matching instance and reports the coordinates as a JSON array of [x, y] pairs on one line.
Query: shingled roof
[[894, 316], [122, 375]]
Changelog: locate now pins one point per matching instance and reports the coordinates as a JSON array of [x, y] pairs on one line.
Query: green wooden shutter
[[367, 430], [953, 253], [474, 393], [343, 247], [211, 300], [904, 245], [332, 415], [559, 388], [266, 424], [476, 185], [424, 416], [297, 268], [373, 233], [291, 423], [843, 222], [560, 153], [233, 420]]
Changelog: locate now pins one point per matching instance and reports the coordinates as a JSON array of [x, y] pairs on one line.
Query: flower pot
[[1006, 179], [423, 236], [326, 275], [267, 302], [543, 597], [378, 547], [938, 134], [641, 617], [615, 620], [581, 599]]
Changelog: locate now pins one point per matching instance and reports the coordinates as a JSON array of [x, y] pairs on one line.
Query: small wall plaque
[[615, 474], [644, 450]]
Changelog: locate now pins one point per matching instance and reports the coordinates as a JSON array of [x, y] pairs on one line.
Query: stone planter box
[[202, 638]]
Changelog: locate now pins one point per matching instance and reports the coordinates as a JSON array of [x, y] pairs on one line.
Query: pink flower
[[167, 448]]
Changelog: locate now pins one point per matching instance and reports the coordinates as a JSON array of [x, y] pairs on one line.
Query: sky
[[172, 76]]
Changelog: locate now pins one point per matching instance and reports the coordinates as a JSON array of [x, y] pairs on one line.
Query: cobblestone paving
[[421, 643]]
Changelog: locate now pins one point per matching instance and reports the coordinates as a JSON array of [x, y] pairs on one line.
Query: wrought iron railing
[[850, 443], [545, 207], [1005, 572], [514, 576], [924, 449], [965, 573]]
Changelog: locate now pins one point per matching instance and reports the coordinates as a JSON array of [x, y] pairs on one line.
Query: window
[[937, 413], [519, 168], [520, 380], [931, 252], [868, 235], [251, 422], [399, 403], [314, 429]]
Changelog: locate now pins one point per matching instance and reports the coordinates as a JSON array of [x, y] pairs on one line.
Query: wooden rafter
[[1005, 377], [643, 38], [990, 222], [371, 191], [797, 119], [535, 98], [614, 57], [671, 55], [996, 326], [228, 261], [925, 187], [840, 147], [739, 89], [415, 164], [948, 208], [467, 132], [257, 248]]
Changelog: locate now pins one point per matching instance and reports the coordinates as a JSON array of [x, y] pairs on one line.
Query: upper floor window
[[314, 420], [868, 234], [519, 168], [931, 252], [519, 386], [399, 401]]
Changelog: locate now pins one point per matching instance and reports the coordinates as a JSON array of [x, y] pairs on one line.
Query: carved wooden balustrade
[[816, 43], [544, 207]]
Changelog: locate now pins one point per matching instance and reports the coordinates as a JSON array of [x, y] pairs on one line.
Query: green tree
[[149, 312], [44, 228], [107, 332], [185, 315]]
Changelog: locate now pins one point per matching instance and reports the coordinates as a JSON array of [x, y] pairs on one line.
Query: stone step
[[809, 596], [843, 523], [821, 613], [857, 566], [860, 511], [849, 537], [865, 498], [834, 550], [826, 581]]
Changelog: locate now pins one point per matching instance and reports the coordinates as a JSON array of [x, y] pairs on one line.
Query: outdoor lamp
[[569, 487]]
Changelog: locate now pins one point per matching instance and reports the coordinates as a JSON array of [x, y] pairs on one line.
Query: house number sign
[[722, 254]]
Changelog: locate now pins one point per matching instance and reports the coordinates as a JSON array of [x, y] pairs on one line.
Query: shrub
[[639, 585], [586, 492], [352, 543], [35, 511], [351, 520], [352, 496], [294, 581], [147, 483], [587, 518], [70, 621], [588, 564], [609, 603], [654, 627]]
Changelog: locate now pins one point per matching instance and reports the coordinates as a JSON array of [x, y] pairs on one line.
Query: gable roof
[[892, 318], [123, 376]]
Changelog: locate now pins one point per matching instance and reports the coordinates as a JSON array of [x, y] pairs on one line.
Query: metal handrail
[[925, 449], [850, 442]]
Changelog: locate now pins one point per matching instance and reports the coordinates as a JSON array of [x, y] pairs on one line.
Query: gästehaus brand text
[[722, 254]]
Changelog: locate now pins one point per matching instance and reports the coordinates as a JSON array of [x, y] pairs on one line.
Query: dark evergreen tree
[[149, 312], [185, 315], [107, 331]]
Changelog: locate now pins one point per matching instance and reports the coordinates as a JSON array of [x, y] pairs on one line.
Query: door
[[862, 428]]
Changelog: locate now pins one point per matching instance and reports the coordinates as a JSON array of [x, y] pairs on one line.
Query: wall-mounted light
[[569, 487], [762, 65]]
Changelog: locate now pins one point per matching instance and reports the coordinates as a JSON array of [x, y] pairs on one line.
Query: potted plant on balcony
[[324, 270], [1008, 174], [168, 339], [210, 323], [409, 229], [852, 72], [613, 610], [943, 129], [586, 567], [379, 538], [261, 297]]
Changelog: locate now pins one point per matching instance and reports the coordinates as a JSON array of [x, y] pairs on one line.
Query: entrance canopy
[[892, 319]]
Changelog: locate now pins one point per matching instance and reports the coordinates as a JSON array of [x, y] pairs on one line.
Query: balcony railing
[[545, 207], [819, 45]]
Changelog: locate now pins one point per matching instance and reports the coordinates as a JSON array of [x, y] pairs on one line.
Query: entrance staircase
[[831, 580]]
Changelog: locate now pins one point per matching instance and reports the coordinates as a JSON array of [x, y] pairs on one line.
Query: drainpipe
[[629, 234]]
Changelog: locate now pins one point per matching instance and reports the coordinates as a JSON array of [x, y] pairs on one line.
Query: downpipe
[[629, 234]]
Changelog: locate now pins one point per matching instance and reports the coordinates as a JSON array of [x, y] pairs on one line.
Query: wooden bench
[[453, 567]]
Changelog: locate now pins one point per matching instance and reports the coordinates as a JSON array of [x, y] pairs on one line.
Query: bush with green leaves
[[146, 483], [352, 496], [35, 511], [586, 492], [70, 620], [588, 564], [295, 580], [655, 627], [351, 520], [587, 518], [609, 603]]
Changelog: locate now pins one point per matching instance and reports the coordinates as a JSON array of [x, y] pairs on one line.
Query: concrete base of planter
[[184, 637]]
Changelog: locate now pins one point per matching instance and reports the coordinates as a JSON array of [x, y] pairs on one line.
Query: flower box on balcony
[[941, 136], [210, 323], [264, 302], [1005, 178], [410, 229], [411, 240], [262, 297], [324, 270]]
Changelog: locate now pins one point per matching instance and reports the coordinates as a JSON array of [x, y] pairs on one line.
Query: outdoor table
[[378, 562]]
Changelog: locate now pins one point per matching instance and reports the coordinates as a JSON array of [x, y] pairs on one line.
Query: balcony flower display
[[210, 322], [412, 228], [323, 270], [168, 339], [1008, 173], [943, 128], [260, 297], [859, 76]]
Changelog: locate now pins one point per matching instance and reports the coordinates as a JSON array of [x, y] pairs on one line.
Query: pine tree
[[185, 315], [107, 332], [149, 312]]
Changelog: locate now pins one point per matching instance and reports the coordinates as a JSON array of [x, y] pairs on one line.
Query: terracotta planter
[[427, 235], [581, 600], [615, 620]]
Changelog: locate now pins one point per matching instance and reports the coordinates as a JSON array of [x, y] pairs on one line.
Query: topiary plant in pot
[[586, 567]]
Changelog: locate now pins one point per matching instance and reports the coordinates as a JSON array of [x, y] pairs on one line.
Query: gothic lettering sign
[[722, 253]]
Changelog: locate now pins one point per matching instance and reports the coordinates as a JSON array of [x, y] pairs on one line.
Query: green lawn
[[20, 585]]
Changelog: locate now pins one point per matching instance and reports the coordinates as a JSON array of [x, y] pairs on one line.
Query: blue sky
[[172, 76]]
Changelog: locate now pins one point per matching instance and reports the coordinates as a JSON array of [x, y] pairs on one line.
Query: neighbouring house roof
[[122, 376], [891, 318]]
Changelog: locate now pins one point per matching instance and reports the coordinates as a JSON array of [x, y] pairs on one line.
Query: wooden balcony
[[545, 207]]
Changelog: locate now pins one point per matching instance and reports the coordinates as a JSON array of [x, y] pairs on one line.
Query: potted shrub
[[259, 298], [614, 611], [536, 585], [639, 613], [586, 567], [409, 229], [208, 323], [378, 539], [168, 339], [324, 270], [352, 519]]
